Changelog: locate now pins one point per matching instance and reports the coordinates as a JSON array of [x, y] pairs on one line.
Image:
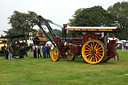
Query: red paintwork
[[87, 36], [111, 48], [74, 49], [76, 45], [57, 40], [67, 45], [78, 41], [117, 29], [62, 49], [62, 53], [61, 44]]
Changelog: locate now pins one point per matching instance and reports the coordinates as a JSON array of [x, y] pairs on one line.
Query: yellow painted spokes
[[55, 54], [93, 51]]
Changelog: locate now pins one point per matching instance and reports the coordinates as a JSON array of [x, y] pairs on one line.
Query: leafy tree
[[120, 12], [95, 16], [57, 32], [77, 12], [21, 23]]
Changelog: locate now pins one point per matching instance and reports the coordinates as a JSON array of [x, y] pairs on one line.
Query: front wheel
[[71, 57], [55, 54], [93, 51]]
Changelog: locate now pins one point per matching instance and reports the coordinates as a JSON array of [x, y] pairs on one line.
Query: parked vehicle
[[3, 43], [88, 42]]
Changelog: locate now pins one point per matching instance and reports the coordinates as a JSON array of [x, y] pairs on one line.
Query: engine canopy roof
[[94, 29]]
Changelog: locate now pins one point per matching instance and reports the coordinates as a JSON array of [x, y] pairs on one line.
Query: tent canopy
[[126, 42]]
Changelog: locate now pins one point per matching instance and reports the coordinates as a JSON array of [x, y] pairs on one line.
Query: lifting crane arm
[[41, 19]]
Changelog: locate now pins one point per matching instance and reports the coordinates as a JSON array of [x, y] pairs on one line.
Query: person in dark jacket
[[35, 51], [6, 51], [39, 53], [48, 51]]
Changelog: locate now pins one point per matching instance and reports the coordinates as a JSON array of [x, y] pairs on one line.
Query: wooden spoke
[[99, 53], [90, 57], [97, 57], [93, 59], [95, 46], [89, 47], [88, 52], [98, 48]]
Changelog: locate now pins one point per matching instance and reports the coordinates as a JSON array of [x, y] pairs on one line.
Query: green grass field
[[46, 72]]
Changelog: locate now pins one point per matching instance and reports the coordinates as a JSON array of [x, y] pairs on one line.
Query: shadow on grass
[[81, 60]]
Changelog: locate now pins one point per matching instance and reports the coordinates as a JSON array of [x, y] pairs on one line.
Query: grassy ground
[[46, 72]]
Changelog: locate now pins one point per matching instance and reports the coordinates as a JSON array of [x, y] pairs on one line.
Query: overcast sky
[[59, 11]]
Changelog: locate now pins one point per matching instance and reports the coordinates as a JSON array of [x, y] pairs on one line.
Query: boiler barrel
[[39, 41]]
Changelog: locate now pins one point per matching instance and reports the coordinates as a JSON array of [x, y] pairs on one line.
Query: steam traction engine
[[89, 42]]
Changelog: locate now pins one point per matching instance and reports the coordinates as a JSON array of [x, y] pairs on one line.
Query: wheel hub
[[93, 52]]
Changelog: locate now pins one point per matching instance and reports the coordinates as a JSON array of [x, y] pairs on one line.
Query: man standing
[[10, 52], [44, 49], [25, 49], [6, 51], [48, 51], [34, 51], [39, 54]]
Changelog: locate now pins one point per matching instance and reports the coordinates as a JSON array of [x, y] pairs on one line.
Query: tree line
[[115, 15]]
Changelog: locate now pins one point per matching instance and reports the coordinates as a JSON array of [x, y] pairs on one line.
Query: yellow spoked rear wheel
[[55, 54], [93, 51], [71, 57]]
